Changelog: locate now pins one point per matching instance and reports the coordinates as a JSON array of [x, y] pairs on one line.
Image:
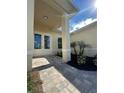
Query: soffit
[[53, 9], [41, 10], [63, 6]]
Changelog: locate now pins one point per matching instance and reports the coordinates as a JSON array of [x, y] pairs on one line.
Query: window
[[47, 42], [59, 42], [37, 41]]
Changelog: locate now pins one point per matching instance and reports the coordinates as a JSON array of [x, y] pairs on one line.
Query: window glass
[[37, 41], [47, 42], [60, 43]]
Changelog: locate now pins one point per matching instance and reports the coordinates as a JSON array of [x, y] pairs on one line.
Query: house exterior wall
[[87, 34], [44, 30]]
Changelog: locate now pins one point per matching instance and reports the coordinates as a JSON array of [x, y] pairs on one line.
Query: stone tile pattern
[[39, 62], [83, 81], [54, 82]]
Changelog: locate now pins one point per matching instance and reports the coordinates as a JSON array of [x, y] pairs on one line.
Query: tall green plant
[[82, 45], [73, 45]]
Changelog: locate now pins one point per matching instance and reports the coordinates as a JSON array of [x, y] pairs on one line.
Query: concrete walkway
[[59, 77]]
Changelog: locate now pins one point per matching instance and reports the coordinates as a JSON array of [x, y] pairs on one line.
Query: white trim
[[43, 41], [84, 27], [37, 32], [66, 50], [29, 52]]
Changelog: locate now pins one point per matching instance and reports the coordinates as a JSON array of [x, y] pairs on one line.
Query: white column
[[66, 51], [30, 23]]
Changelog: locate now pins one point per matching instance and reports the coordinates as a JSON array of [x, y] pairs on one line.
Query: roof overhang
[[49, 12], [93, 24], [62, 6]]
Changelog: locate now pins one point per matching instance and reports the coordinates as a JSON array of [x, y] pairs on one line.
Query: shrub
[[34, 83], [59, 54], [73, 45]]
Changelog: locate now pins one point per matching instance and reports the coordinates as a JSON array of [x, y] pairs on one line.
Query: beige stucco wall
[[45, 30], [87, 34], [30, 23]]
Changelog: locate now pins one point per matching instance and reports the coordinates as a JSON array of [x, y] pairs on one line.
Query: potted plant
[[82, 45], [74, 55]]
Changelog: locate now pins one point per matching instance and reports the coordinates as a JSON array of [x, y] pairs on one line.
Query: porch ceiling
[[53, 9]]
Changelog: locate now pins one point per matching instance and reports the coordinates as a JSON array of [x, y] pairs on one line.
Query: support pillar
[[30, 23], [66, 51]]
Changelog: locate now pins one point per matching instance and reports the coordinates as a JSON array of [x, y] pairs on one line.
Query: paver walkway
[[59, 77]]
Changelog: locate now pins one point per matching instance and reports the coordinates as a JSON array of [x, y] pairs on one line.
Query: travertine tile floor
[[59, 77], [36, 62], [55, 82]]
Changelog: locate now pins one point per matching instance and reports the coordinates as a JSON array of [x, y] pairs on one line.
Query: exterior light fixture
[[45, 17]]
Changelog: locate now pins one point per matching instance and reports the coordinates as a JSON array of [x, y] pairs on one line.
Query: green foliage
[[73, 45], [30, 83], [95, 60], [34, 82], [82, 45], [59, 54], [81, 60]]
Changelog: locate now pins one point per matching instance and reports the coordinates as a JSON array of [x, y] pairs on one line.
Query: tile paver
[[54, 81], [39, 61], [62, 78]]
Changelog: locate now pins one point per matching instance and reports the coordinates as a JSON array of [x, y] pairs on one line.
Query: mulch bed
[[88, 66], [83, 66], [34, 84]]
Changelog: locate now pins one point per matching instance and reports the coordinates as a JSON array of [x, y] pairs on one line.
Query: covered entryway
[[48, 16]]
